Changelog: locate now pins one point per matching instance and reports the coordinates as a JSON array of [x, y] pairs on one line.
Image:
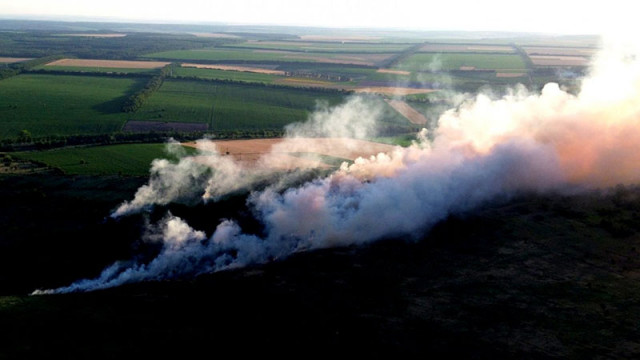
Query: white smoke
[[485, 149], [211, 174]]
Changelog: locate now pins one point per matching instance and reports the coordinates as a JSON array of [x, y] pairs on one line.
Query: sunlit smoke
[[482, 150]]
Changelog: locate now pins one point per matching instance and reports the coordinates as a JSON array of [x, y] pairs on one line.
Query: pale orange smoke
[[596, 134]]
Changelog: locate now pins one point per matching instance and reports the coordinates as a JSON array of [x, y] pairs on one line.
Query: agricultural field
[[204, 73], [257, 55], [296, 152], [457, 268], [102, 66], [466, 48], [309, 46], [123, 159], [96, 69], [251, 69], [557, 60], [560, 51], [11, 60], [108, 63], [63, 104], [451, 61], [230, 107]]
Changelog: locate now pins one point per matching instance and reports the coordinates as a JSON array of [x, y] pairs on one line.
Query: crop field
[[310, 82], [561, 51], [392, 91], [108, 63], [351, 72], [11, 60], [224, 75], [252, 69], [63, 104], [298, 152], [219, 54], [479, 48], [555, 60], [341, 37], [568, 41], [430, 62], [324, 46], [123, 159], [223, 54], [230, 107], [95, 69]]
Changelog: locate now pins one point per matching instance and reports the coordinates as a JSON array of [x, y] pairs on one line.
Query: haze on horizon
[[543, 16]]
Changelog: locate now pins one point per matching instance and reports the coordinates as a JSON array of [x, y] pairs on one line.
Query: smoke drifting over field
[[484, 149]]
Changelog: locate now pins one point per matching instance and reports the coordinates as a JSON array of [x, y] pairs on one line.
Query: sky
[[547, 16]]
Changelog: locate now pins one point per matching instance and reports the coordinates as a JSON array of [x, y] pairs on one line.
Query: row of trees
[[17, 68], [43, 43], [136, 100], [266, 85], [26, 142]]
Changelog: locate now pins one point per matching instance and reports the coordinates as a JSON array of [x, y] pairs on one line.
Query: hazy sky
[[554, 16]]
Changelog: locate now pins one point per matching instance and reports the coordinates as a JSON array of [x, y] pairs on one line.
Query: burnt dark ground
[[535, 277]]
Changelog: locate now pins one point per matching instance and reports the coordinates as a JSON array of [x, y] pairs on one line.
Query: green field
[[354, 72], [124, 159], [230, 107], [225, 75], [338, 47], [450, 61], [217, 54], [63, 104], [94, 69], [241, 55]]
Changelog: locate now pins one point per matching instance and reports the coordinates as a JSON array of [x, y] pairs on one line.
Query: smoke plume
[[484, 149]]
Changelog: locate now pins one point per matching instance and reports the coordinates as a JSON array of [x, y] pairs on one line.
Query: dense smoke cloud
[[482, 150]]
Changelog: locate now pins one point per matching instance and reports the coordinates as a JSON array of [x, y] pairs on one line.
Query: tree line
[[266, 85], [129, 47], [24, 66], [26, 142], [137, 99]]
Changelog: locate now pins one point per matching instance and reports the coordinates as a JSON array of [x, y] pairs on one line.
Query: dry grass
[[308, 82], [236, 68], [109, 63], [396, 72], [561, 51], [284, 153], [550, 60], [466, 48], [10, 60], [407, 111], [338, 38], [393, 91]]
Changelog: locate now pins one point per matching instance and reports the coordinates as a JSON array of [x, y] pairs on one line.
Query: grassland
[[225, 75], [94, 69], [257, 55], [63, 104], [231, 107], [451, 61], [123, 159], [217, 54], [323, 46]]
